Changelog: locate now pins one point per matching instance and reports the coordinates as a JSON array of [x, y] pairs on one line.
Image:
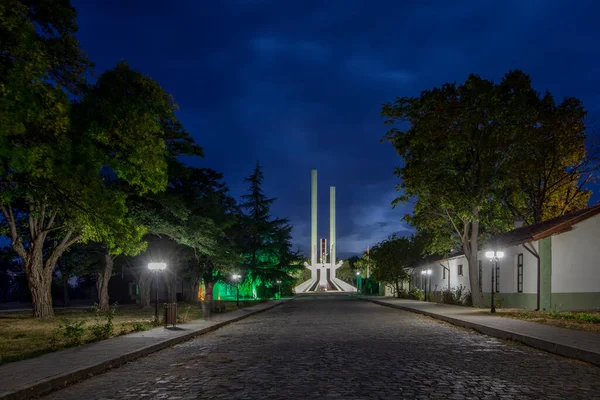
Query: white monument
[[322, 271]]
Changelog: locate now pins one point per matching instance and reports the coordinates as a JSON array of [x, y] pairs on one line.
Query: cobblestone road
[[342, 348]]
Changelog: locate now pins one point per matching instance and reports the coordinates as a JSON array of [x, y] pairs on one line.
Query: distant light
[[157, 266], [236, 276], [423, 272], [489, 254], [358, 273], [278, 281], [499, 254], [428, 272]]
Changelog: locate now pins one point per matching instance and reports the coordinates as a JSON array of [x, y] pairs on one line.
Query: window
[[480, 276], [460, 269], [520, 273], [497, 276], [443, 273]]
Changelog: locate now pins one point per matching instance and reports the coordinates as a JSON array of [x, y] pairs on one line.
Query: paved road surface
[[334, 346]]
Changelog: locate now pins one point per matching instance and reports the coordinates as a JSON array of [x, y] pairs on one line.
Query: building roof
[[531, 233], [527, 233]]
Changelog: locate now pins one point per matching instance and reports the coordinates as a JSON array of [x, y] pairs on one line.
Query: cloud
[[372, 68], [269, 46]]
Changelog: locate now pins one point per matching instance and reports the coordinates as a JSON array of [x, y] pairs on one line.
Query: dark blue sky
[[298, 85]]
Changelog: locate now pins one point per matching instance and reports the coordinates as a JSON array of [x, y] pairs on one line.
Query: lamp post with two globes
[[494, 257], [427, 274], [156, 267]]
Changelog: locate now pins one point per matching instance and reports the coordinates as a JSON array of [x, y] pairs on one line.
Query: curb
[[541, 344], [45, 386]]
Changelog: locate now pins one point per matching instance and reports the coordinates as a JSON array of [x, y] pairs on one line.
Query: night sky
[[298, 85]]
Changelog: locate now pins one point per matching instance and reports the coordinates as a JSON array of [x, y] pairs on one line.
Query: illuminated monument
[[322, 270]]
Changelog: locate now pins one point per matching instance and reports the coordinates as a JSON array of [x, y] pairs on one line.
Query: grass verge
[[22, 336], [584, 321]]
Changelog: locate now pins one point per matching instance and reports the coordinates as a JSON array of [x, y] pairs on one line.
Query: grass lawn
[[22, 336], [584, 321]]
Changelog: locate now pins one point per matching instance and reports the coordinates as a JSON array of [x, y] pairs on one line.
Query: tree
[[266, 241], [392, 257], [57, 156], [454, 157], [196, 212], [550, 164]]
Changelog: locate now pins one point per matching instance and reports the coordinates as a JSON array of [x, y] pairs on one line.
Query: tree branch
[[51, 222]]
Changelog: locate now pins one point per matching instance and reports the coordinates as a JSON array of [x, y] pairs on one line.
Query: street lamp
[[236, 279], [156, 267], [358, 282], [279, 284], [494, 257], [427, 274]]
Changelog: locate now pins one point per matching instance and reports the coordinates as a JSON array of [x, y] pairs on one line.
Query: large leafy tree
[[60, 151], [453, 152], [265, 241]]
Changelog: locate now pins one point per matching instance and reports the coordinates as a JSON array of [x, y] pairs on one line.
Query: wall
[[575, 267], [576, 258], [437, 275]]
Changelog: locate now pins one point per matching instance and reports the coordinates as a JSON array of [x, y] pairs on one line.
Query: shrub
[[101, 330], [467, 299], [447, 297], [415, 294], [72, 331], [139, 326]]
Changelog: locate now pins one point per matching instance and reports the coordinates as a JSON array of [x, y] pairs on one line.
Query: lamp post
[[156, 267], [279, 284], [236, 279], [358, 282], [494, 257], [427, 274]]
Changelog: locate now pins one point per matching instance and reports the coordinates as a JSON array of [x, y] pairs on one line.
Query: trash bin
[[170, 314], [206, 310]]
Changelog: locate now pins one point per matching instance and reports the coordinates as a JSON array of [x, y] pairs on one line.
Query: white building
[[567, 249]]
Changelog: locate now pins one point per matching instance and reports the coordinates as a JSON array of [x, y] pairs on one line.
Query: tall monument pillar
[[332, 238], [313, 227]]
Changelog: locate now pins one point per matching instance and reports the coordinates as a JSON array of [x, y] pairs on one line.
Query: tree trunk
[[170, 282], [397, 290], [39, 280], [208, 296], [193, 298], [65, 292], [472, 261], [144, 294], [41, 295], [102, 283]]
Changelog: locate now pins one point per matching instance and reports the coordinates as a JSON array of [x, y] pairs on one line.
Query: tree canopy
[[466, 154]]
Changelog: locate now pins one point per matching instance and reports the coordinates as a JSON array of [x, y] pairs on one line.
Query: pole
[[156, 302], [237, 300], [279, 290], [493, 309], [425, 287]]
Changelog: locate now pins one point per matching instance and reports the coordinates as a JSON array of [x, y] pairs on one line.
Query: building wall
[[570, 272], [575, 267], [437, 274], [576, 258]]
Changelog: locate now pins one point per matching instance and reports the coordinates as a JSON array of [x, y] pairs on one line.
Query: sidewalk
[[35, 376], [570, 343]]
